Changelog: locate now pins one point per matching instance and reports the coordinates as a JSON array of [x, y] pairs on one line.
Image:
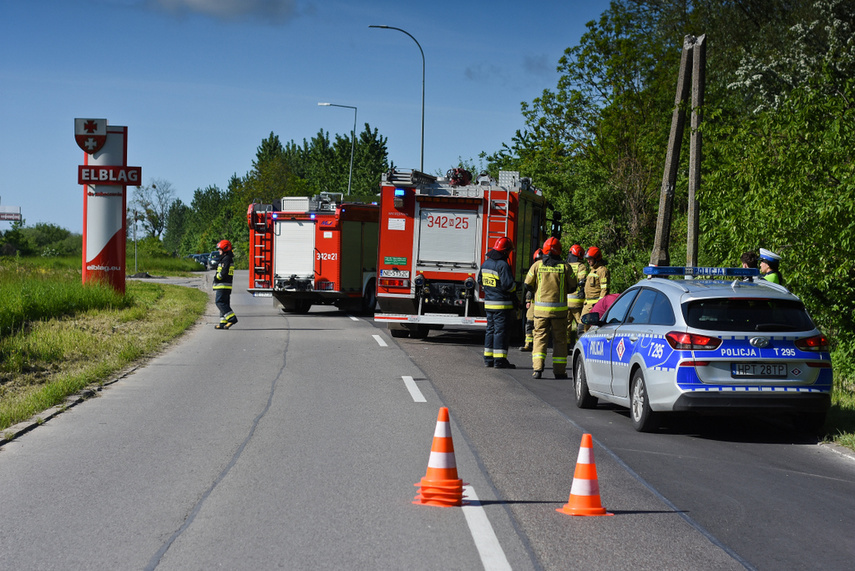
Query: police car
[[733, 345]]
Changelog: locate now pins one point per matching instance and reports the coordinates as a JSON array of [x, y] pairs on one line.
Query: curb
[[9, 434]]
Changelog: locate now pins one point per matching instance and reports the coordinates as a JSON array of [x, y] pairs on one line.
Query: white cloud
[[272, 11]]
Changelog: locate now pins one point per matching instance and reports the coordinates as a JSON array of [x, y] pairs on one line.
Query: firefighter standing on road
[[223, 285], [529, 311], [576, 298], [597, 282], [551, 281], [497, 281]]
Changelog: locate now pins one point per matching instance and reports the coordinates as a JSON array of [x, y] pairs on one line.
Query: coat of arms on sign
[[90, 134]]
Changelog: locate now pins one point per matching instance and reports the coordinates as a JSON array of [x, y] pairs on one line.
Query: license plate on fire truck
[[395, 273]]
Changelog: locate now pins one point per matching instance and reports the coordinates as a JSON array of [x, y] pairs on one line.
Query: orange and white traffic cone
[[585, 491], [441, 486]]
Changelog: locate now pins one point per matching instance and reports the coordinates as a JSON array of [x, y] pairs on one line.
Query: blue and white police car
[[733, 345]]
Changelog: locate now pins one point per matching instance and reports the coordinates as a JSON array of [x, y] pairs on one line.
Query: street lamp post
[[352, 140], [422, 163]]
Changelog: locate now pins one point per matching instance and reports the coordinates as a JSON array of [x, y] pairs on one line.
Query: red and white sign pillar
[[105, 177]]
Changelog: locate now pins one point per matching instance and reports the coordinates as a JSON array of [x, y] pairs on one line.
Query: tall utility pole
[[699, 78], [659, 256]]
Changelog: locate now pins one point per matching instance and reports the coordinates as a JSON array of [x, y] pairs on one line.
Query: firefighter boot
[[526, 348], [231, 321], [537, 373], [503, 364], [221, 325]]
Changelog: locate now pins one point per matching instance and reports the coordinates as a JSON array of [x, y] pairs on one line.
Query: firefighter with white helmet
[[597, 282], [576, 298], [497, 282], [551, 281], [223, 285]]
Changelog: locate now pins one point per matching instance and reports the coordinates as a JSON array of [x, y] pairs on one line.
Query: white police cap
[[769, 256]]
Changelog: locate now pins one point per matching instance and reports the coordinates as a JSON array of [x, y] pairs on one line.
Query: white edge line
[[492, 555], [414, 389], [379, 340], [352, 318]]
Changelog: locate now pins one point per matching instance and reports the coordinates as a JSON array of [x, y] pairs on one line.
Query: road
[[295, 441]]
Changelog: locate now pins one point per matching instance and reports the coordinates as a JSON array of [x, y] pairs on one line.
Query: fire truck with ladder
[[314, 250], [434, 235]]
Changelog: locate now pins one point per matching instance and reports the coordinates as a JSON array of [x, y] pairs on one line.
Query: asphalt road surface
[[294, 442]]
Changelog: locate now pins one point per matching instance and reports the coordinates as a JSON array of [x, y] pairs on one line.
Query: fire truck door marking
[[327, 234], [397, 224]]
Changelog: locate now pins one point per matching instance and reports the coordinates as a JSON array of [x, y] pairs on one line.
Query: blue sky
[[200, 83]]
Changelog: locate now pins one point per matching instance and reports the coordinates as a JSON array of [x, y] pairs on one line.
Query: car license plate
[[759, 370], [395, 273]]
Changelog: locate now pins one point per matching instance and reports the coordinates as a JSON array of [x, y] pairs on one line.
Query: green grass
[[841, 418], [67, 336]]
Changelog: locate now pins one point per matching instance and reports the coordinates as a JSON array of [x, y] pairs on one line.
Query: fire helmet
[[224, 245], [503, 244], [594, 252], [576, 250], [537, 254], [552, 246]]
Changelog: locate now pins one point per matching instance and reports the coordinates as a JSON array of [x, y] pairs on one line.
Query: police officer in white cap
[[769, 262]]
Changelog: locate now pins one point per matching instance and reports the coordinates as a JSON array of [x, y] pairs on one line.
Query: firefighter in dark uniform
[[529, 311], [497, 282], [223, 285], [551, 281]]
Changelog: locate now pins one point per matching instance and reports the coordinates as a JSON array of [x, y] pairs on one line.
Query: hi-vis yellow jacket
[[551, 281]]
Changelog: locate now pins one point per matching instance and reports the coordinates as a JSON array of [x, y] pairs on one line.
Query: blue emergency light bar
[[700, 271], [400, 192]]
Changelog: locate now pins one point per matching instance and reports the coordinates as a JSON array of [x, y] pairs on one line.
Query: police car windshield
[[772, 315]]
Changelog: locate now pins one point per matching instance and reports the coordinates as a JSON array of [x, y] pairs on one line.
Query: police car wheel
[[643, 418], [580, 383]]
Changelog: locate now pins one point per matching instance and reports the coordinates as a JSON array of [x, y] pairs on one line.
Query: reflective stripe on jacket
[[225, 272], [551, 283], [497, 282]]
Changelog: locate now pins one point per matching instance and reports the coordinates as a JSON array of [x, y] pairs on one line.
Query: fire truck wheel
[[302, 306], [369, 299], [419, 332], [398, 331]]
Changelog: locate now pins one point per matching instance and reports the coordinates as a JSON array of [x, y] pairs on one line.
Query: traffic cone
[[441, 486], [585, 491]]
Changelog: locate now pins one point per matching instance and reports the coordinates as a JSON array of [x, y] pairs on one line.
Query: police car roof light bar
[[694, 271]]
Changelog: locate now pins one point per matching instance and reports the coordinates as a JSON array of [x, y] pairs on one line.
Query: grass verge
[[46, 360]]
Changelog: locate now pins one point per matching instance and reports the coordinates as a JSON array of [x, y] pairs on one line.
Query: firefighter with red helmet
[[551, 281], [597, 282], [576, 298], [529, 311], [497, 282], [223, 285]]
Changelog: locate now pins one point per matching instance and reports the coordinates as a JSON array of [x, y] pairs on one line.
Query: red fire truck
[[319, 250], [434, 235]]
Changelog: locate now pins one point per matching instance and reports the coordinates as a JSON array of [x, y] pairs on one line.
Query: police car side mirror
[[592, 318]]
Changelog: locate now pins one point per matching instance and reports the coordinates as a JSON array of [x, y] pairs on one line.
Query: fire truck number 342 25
[[450, 222]]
